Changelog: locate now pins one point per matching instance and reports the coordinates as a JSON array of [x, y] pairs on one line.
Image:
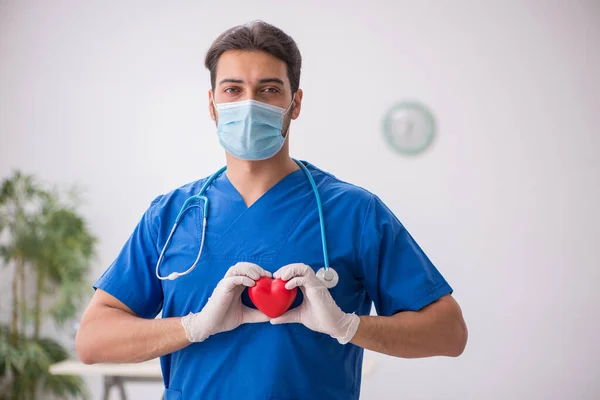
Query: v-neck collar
[[272, 192]]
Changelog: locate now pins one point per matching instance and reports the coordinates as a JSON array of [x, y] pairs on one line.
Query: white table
[[114, 375], [117, 375]]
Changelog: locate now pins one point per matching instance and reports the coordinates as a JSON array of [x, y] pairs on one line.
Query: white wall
[[505, 203]]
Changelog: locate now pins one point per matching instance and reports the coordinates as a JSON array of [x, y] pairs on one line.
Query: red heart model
[[271, 297]]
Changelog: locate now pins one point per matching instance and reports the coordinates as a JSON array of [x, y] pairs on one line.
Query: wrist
[[192, 325], [348, 328]]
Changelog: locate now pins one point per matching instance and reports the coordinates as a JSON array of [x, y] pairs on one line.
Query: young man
[[264, 221]]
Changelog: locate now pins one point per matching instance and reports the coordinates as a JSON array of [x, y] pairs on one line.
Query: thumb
[[292, 316]]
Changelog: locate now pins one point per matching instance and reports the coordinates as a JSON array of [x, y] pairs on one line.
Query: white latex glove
[[224, 310], [318, 310]]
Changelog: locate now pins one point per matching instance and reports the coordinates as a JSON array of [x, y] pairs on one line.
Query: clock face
[[409, 128]]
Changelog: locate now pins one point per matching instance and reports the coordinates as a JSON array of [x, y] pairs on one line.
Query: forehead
[[250, 66]]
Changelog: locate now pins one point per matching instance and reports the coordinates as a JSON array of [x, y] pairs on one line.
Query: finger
[[243, 268], [285, 270], [233, 282], [266, 273], [256, 270], [250, 316], [295, 282], [246, 269], [291, 270], [292, 316]]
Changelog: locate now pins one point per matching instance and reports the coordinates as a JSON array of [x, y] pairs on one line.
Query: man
[[264, 222]]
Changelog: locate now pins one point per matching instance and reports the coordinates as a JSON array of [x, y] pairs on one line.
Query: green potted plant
[[46, 250]]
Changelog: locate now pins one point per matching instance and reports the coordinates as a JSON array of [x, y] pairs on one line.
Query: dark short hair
[[257, 36]]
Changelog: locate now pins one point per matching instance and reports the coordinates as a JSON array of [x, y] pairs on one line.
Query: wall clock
[[409, 127]]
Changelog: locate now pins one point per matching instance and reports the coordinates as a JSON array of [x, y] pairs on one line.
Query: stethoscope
[[326, 274]]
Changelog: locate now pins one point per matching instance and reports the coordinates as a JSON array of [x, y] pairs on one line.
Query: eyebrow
[[271, 80], [264, 80]]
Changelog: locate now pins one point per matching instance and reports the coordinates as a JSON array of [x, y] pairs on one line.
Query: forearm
[[438, 330], [115, 336]]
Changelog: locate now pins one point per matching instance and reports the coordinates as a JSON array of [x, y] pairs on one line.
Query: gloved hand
[[318, 311], [224, 310]]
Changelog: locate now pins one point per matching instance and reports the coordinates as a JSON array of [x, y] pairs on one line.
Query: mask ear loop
[[286, 111], [212, 99], [291, 104]]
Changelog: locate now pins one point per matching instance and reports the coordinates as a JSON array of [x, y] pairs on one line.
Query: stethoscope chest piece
[[329, 277]]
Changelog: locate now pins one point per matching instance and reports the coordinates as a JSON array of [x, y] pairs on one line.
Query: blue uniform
[[377, 260]]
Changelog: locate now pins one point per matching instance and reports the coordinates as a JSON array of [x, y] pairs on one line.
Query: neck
[[252, 179]]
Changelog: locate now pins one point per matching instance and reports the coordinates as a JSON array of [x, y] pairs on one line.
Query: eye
[[231, 90], [271, 90]]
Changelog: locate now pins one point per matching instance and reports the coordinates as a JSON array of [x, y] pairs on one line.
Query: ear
[[211, 106], [297, 107]]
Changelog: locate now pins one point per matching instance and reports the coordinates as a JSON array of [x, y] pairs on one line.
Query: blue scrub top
[[376, 258]]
